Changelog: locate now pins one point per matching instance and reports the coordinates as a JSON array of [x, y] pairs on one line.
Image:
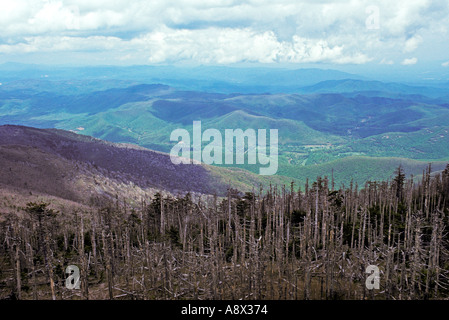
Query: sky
[[380, 34]]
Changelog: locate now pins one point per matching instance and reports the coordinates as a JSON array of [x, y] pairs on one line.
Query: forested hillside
[[276, 243], [326, 124], [352, 190]]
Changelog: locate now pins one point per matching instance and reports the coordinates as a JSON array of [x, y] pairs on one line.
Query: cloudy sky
[[403, 33]]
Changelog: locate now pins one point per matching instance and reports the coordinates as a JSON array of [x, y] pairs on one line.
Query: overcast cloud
[[225, 31]]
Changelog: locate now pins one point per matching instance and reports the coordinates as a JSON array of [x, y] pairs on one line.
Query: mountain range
[[330, 123]]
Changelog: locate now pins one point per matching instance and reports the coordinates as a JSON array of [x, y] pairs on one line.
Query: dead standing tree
[[45, 222], [277, 244]]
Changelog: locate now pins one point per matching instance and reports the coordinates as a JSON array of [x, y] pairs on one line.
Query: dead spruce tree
[[297, 242]]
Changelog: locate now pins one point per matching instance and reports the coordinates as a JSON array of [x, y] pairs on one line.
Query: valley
[[327, 124]]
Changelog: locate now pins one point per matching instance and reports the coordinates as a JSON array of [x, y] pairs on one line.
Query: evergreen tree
[[399, 180]]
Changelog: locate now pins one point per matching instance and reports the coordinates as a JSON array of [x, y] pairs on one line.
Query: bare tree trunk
[[108, 265], [17, 267]]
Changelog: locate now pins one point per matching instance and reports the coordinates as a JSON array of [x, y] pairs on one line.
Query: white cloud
[[445, 64], [55, 44], [412, 43], [410, 61], [222, 46], [222, 31]]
